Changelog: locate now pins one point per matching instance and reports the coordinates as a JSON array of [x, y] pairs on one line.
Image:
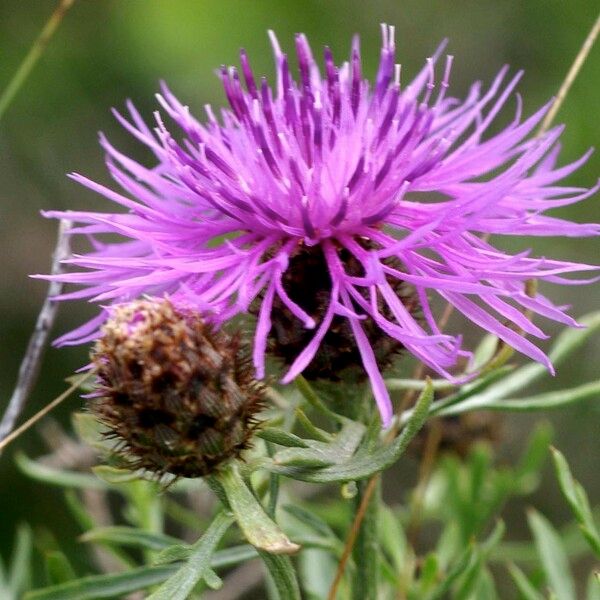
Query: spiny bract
[[181, 397]]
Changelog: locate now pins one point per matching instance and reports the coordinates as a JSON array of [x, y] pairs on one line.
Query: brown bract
[[180, 396]]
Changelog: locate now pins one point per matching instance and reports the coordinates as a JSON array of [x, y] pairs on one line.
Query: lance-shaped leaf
[[58, 567], [566, 343], [283, 575], [258, 528], [578, 501], [525, 587], [57, 477], [552, 555], [281, 437], [180, 585], [130, 536], [114, 585], [320, 454], [366, 463], [221, 559]]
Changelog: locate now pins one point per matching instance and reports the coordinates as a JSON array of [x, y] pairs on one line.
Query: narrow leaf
[[130, 536], [113, 585], [58, 477], [281, 437], [20, 564], [259, 529], [58, 567], [361, 466], [565, 344], [283, 575], [593, 587], [180, 585], [552, 555], [526, 589], [577, 499], [548, 400]]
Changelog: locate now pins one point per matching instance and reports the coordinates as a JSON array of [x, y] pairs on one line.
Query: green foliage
[[456, 508], [578, 501]]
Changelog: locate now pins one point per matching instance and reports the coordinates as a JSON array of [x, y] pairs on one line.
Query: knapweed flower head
[[317, 202], [178, 397]]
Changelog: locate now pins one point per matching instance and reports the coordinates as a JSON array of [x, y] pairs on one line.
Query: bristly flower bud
[[180, 397]]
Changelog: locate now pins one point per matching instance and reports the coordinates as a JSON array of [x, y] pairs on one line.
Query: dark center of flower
[[308, 283]]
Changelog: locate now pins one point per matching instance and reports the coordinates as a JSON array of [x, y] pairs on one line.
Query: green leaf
[[484, 352], [526, 589], [234, 555], [469, 578], [429, 575], [466, 562], [221, 559], [566, 343], [309, 394], [113, 585], [392, 537], [527, 471], [552, 555], [319, 454], [19, 572], [316, 571], [593, 587], [395, 384], [175, 553], [89, 430], [363, 465], [310, 519], [475, 572], [181, 584], [58, 567], [212, 580], [57, 477], [258, 528], [578, 501], [282, 572], [281, 437], [114, 475], [546, 401], [468, 390], [130, 536]]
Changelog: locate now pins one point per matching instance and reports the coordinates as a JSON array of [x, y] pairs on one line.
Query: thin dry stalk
[[30, 365], [34, 54]]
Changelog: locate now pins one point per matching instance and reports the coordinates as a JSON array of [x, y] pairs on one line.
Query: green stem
[[34, 54], [366, 549]]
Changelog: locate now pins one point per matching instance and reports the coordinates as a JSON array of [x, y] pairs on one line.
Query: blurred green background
[[109, 50]]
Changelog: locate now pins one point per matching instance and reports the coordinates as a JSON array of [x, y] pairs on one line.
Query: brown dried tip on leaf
[[180, 396]]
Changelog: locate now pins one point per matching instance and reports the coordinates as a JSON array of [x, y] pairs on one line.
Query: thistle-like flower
[[178, 397], [317, 203]]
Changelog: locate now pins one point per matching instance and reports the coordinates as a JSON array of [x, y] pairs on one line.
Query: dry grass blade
[[44, 411], [571, 75], [34, 54]]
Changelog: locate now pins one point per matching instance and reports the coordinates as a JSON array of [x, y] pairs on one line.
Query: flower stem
[[366, 547]]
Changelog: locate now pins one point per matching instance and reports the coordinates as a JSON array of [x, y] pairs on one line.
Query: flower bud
[[180, 396]]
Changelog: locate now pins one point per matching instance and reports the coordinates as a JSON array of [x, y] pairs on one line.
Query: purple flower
[[403, 179]]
